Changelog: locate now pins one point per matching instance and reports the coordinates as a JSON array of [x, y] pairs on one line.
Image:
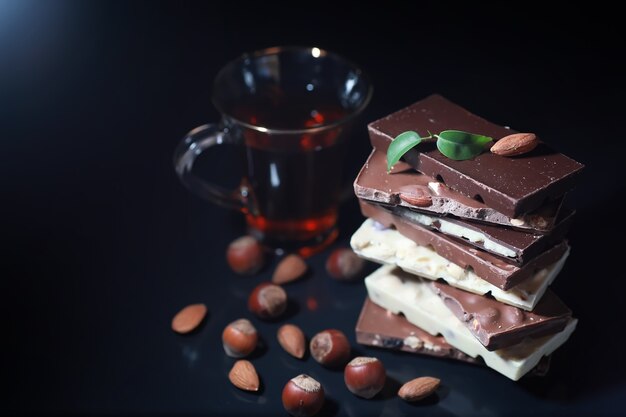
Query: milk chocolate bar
[[400, 292], [498, 325], [376, 243], [513, 245], [381, 328], [374, 184], [491, 268], [512, 186]]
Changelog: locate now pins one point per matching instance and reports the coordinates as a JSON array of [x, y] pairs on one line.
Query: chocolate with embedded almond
[[497, 325], [512, 186], [489, 267]]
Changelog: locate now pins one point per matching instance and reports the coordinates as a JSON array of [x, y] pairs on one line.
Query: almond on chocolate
[[515, 144]]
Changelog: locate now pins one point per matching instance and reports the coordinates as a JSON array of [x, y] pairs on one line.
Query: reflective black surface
[[102, 245]]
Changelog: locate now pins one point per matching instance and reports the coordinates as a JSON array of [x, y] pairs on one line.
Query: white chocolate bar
[[400, 292], [388, 246]]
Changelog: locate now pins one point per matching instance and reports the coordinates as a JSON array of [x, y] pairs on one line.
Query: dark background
[[102, 245]]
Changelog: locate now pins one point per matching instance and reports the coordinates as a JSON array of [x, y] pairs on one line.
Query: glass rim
[[275, 50]]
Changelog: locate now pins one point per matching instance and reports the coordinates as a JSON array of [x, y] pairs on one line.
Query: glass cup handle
[[197, 141]]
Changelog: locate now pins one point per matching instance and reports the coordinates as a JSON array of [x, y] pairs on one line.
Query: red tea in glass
[[289, 109]]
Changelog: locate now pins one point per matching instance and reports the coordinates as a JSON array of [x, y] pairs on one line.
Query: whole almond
[[416, 196], [244, 376], [289, 269], [189, 318], [515, 144], [291, 338], [418, 388]]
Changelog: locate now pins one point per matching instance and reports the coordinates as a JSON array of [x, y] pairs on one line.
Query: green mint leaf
[[459, 145], [400, 145]]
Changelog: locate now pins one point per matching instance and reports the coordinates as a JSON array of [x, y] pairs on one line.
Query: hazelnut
[[303, 396], [267, 300], [330, 348], [239, 338], [245, 255], [344, 264], [365, 377]]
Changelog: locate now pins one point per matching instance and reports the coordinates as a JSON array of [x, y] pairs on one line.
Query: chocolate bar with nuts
[[380, 328], [497, 325], [491, 268], [414, 297], [374, 242], [375, 185], [513, 186]]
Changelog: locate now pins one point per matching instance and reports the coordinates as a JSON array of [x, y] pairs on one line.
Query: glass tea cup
[[288, 108]]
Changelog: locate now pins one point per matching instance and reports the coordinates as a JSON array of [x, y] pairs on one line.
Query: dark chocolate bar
[[512, 245], [375, 184], [491, 268], [512, 186], [497, 325], [521, 246], [380, 328]]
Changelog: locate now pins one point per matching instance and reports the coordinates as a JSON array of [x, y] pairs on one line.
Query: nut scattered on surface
[[330, 348], [245, 255], [292, 339], [267, 301], [416, 196], [189, 318], [344, 264], [365, 376], [418, 388], [515, 144], [239, 338], [290, 268], [303, 396], [243, 375]]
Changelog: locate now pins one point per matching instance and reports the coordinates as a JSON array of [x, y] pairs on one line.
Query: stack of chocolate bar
[[469, 247]]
